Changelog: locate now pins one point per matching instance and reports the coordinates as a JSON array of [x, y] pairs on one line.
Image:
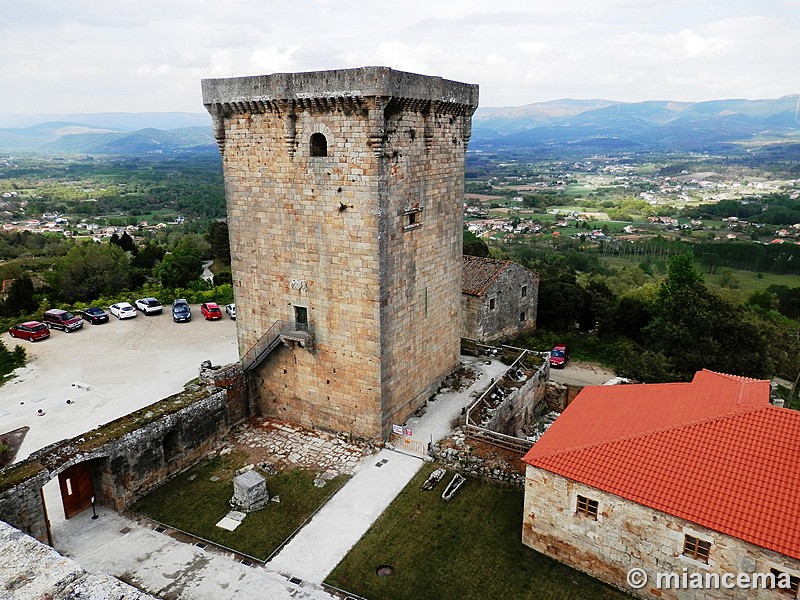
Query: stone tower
[[344, 192]]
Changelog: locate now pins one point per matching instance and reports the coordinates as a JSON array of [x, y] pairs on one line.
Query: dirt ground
[[579, 373]]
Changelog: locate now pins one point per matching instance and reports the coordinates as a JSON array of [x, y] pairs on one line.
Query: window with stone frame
[[695, 548], [587, 507], [319, 145], [524, 291], [794, 582], [491, 303]]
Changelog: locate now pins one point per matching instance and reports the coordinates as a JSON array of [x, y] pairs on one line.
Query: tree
[[20, 300], [124, 241], [474, 246], [696, 329], [217, 236], [179, 268], [91, 270], [194, 242]]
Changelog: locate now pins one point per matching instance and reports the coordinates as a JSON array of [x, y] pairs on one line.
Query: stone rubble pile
[[455, 452], [285, 445]]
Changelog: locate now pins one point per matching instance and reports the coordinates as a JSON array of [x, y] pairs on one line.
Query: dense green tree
[[179, 268], [217, 236], [474, 246], [91, 270], [124, 241], [196, 243], [695, 329], [20, 300]]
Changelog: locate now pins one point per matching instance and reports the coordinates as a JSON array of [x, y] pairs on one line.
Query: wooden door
[[76, 489]]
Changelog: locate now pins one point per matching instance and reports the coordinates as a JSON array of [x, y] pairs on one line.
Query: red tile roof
[[478, 273], [713, 452]]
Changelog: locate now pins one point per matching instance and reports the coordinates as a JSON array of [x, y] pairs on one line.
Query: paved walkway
[[165, 567], [336, 528]]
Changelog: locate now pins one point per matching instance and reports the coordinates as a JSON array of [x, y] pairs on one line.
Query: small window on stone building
[[319, 145], [696, 548], [524, 291], [522, 316], [782, 578], [587, 506], [412, 218], [491, 303]]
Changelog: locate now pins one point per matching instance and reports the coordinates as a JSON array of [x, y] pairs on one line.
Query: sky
[[60, 56]]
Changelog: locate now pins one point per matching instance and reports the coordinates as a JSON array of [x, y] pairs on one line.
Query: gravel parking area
[[86, 378]]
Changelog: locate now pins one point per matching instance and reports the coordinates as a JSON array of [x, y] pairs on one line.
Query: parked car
[[211, 311], [149, 306], [123, 310], [62, 319], [559, 356], [30, 330], [231, 310], [95, 315], [181, 312]]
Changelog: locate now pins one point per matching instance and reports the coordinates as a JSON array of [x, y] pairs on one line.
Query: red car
[[559, 356], [211, 311], [30, 330]]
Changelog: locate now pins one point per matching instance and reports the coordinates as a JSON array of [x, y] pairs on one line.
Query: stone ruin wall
[[126, 467]]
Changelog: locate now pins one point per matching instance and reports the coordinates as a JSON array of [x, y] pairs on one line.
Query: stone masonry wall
[[627, 535], [504, 320], [366, 238], [127, 465]]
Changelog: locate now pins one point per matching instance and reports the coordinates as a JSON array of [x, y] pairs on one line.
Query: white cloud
[[150, 55]]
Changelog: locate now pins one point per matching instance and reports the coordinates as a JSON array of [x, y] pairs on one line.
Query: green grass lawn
[[468, 548], [193, 503]]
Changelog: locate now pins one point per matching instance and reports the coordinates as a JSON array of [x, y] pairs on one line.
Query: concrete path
[[165, 567], [321, 545], [437, 422]]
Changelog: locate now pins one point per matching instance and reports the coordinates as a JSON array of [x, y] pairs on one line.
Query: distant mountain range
[[575, 126], [640, 126]]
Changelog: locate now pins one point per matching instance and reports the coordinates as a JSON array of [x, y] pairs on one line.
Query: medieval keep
[[344, 193]]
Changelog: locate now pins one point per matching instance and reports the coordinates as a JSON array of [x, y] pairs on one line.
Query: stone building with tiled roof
[[699, 479], [498, 299]]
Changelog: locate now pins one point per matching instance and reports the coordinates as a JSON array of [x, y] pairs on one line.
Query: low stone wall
[[126, 457], [510, 403]]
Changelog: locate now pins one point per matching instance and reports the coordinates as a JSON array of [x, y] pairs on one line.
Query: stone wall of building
[[366, 239], [628, 535], [503, 311], [127, 457]]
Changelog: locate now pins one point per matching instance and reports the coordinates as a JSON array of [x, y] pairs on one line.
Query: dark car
[[559, 356], [181, 312], [95, 315], [211, 311], [62, 319], [31, 330]]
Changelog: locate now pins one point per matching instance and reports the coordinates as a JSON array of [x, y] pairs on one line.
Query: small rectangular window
[[524, 291], [587, 507], [522, 316], [696, 548], [491, 303], [794, 582], [412, 218]]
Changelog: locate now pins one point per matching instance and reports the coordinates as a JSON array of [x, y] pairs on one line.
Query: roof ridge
[[736, 412]]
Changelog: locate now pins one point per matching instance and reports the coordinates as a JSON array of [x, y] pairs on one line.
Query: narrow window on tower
[[319, 145]]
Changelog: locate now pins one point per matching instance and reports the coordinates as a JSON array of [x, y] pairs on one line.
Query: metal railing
[[269, 341]]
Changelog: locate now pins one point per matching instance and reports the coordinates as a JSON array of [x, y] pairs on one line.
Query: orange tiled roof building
[[703, 476]]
